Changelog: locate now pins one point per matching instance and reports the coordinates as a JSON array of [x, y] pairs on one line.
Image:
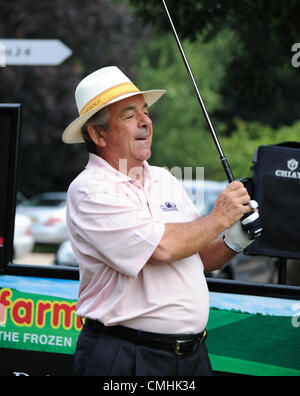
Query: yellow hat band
[[108, 95]]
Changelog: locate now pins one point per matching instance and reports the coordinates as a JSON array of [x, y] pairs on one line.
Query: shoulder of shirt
[[86, 179]]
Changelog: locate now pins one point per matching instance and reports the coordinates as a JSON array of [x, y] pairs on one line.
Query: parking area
[[255, 270], [35, 258]]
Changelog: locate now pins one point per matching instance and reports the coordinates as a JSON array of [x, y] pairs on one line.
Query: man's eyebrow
[[129, 108]]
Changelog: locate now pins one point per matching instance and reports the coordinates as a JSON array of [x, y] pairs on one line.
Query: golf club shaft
[[252, 227], [223, 159]]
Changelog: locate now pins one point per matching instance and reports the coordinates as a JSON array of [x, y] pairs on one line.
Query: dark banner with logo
[[276, 187]]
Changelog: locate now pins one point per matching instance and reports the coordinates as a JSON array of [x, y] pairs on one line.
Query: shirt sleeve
[[116, 231]]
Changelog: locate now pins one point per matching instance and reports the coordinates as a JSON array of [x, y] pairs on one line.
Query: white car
[[65, 256], [48, 215], [23, 240], [203, 193]]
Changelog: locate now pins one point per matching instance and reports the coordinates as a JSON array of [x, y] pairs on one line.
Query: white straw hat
[[98, 90]]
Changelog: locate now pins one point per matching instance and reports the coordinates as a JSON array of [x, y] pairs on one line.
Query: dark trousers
[[99, 354]]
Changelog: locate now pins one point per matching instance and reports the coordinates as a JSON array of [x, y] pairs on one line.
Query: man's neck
[[134, 170]]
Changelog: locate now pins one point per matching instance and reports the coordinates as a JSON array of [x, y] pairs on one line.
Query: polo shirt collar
[[97, 162]]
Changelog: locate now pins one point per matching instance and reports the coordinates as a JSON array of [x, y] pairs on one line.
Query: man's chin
[[145, 156]]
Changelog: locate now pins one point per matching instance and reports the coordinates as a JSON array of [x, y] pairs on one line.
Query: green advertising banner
[[249, 335], [38, 322]]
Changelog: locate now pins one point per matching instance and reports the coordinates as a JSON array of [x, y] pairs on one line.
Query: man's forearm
[[182, 240], [215, 255]]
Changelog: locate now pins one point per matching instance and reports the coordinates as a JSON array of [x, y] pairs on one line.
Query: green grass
[[253, 344]]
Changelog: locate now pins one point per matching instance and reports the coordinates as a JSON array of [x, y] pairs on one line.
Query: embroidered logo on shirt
[[168, 206]]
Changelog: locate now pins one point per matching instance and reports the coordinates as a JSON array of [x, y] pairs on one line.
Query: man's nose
[[144, 125], [144, 122]]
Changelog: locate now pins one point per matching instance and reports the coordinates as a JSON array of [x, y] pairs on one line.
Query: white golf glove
[[235, 237]]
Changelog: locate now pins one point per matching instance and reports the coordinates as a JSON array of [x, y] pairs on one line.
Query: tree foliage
[[181, 136], [260, 83], [239, 53], [100, 33], [248, 136]]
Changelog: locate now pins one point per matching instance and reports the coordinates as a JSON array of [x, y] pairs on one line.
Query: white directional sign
[[33, 52]]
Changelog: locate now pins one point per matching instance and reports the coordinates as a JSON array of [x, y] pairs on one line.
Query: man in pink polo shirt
[[141, 244]]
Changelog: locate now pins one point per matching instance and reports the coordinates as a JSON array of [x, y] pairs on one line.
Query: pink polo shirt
[[115, 225]]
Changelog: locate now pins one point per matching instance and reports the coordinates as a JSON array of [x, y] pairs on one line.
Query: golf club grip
[[227, 169]]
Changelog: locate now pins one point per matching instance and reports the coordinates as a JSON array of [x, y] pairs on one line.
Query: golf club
[[250, 221]]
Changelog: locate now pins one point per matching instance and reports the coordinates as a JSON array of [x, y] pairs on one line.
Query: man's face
[[129, 135]]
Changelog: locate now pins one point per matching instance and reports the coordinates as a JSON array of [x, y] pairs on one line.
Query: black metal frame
[[13, 111], [40, 271], [254, 289]]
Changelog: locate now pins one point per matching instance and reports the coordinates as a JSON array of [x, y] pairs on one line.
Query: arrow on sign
[[33, 52]]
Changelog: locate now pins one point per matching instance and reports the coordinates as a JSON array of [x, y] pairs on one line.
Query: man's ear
[[97, 134]]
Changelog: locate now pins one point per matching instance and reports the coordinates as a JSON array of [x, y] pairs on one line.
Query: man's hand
[[232, 204]]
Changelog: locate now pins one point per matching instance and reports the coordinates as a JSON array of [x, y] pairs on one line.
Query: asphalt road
[[36, 259], [253, 271]]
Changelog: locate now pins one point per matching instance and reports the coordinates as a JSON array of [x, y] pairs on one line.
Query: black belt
[[178, 344]]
